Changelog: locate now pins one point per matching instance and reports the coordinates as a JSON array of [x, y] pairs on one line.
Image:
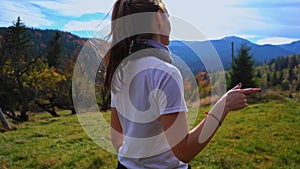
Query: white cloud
[[246, 36], [85, 25], [31, 15], [81, 25], [93, 28], [76, 7], [276, 41], [216, 19]]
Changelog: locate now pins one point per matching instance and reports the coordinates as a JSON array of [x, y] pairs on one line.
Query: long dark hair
[[120, 48]]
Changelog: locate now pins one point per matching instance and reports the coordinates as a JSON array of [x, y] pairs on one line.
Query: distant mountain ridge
[[293, 47], [260, 53]]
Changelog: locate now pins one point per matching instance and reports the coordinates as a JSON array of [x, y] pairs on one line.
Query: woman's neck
[[162, 39]]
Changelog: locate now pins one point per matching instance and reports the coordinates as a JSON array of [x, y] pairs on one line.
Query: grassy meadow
[[264, 135]]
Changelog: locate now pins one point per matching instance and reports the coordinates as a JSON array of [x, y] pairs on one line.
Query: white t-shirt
[[147, 88]]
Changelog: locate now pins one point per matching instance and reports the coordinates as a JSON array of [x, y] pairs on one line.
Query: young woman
[[148, 115]]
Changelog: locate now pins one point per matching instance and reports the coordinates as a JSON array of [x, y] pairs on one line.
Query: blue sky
[[262, 22]]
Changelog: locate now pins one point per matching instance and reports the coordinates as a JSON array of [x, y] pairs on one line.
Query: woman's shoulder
[[154, 62], [150, 64], [162, 67]]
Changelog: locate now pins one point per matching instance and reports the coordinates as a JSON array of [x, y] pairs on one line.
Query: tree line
[[281, 73]]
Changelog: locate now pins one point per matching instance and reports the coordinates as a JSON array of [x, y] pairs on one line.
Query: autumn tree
[[48, 81], [46, 84]]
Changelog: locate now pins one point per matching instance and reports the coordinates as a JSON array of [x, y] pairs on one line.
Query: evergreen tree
[[281, 77], [293, 62], [242, 69], [258, 74], [54, 51], [268, 78], [274, 79], [292, 75], [17, 62]]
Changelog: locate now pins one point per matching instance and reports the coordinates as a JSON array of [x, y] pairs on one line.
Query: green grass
[[264, 135]]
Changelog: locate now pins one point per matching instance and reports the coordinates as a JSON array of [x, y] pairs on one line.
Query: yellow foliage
[[46, 79]]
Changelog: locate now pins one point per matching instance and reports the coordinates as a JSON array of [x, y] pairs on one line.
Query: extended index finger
[[251, 90]]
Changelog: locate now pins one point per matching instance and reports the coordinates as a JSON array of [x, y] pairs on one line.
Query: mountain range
[[189, 51]]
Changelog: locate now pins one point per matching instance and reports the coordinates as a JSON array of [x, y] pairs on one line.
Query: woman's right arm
[[116, 130], [187, 144]]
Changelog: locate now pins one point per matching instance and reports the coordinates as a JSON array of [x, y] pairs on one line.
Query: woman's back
[[148, 88]]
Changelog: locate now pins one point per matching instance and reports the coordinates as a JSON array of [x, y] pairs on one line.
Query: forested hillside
[[41, 38]]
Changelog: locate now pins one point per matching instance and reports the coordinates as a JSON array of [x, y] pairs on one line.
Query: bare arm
[[116, 130], [194, 141]]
